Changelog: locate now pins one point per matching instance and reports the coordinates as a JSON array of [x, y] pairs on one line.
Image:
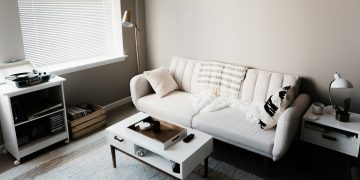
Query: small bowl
[[317, 108], [144, 126]]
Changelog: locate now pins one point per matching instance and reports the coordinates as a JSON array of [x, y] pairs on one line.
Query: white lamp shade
[[340, 82]]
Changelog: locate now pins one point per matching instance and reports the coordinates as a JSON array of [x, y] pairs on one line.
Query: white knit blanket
[[211, 103]]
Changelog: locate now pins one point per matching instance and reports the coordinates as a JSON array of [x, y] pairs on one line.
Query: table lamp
[[340, 83], [126, 22]]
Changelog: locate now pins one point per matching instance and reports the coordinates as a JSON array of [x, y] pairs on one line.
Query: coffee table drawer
[[120, 142]]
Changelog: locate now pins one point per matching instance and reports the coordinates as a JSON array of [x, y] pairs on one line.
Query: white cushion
[[182, 70], [161, 81], [176, 107], [230, 124], [257, 86]]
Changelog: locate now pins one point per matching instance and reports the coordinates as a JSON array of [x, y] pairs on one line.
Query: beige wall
[[11, 44], [106, 84], [101, 85], [312, 38]]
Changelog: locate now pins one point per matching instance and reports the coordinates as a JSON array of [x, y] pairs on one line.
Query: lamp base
[[342, 116]]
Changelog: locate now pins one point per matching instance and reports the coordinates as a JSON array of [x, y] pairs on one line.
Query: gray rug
[[90, 158]]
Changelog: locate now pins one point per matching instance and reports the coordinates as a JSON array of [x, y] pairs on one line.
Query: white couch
[[230, 124]]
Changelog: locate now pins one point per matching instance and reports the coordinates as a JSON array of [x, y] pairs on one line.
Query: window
[[58, 31]]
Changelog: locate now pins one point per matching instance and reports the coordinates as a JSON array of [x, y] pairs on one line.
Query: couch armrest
[[288, 125], [139, 87]]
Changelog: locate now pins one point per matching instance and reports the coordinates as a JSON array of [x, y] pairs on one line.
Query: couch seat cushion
[[230, 124], [176, 106]]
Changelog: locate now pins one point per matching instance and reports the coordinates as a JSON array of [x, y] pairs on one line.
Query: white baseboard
[[117, 103]]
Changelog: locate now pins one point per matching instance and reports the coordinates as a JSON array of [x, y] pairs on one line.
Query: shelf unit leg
[[67, 141]]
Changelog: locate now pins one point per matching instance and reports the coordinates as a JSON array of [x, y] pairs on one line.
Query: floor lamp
[[126, 22]]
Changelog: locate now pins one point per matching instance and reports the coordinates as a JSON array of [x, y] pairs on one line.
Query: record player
[[22, 74], [25, 79]]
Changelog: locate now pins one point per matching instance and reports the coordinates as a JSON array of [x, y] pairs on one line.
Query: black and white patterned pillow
[[275, 105]]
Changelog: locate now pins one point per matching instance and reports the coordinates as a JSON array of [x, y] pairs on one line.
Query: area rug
[[90, 158]]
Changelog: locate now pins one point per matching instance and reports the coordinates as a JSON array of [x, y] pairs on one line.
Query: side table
[[330, 133]]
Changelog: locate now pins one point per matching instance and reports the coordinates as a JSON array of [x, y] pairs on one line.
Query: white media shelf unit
[[24, 134]]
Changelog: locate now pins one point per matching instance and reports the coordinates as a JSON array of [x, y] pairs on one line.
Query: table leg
[[113, 155], [206, 162]]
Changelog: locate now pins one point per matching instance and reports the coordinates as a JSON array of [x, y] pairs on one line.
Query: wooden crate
[[89, 123]]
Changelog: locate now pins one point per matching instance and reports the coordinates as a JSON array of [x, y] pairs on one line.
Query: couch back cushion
[[182, 70], [259, 85]]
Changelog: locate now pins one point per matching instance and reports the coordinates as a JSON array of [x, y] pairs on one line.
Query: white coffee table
[[187, 155]]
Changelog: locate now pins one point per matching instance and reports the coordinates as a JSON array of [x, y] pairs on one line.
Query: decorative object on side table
[[342, 113], [318, 108]]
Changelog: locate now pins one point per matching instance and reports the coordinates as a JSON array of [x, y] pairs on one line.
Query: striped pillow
[[209, 77], [231, 80], [221, 79]]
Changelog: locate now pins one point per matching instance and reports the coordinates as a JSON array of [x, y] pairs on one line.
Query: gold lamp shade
[[126, 22]]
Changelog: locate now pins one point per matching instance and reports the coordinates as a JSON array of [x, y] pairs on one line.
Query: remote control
[[188, 138]]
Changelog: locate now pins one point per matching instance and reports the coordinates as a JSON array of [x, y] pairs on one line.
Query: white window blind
[[56, 31]]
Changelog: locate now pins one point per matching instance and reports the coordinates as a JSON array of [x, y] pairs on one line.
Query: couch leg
[[268, 167]]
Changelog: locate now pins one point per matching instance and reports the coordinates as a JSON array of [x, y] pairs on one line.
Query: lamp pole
[[126, 22], [137, 30]]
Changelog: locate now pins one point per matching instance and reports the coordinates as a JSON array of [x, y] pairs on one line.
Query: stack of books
[[57, 124], [75, 112]]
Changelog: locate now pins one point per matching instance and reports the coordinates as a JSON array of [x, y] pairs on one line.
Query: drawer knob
[[120, 140], [329, 137]]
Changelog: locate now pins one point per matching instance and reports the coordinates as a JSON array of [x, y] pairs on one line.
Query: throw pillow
[[161, 81], [209, 77], [275, 106], [231, 81]]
